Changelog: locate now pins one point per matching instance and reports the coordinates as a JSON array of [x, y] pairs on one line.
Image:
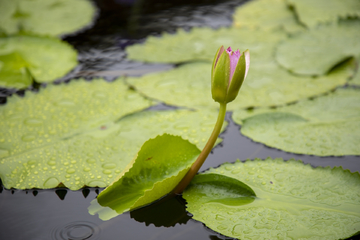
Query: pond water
[[62, 214]]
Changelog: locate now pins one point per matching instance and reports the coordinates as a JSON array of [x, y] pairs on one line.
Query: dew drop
[[96, 183], [109, 165], [51, 182], [107, 172], [181, 126], [251, 173], [28, 138], [90, 160], [31, 162], [51, 163], [33, 122], [86, 169], [70, 171]]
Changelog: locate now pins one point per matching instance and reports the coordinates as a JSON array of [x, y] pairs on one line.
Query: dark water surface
[[62, 214]]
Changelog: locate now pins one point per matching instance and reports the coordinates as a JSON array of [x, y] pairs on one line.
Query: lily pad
[[156, 170], [91, 146], [25, 57], [45, 17], [266, 15], [293, 201], [312, 13], [195, 45], [267, 84], [326, 126], [317, 51]]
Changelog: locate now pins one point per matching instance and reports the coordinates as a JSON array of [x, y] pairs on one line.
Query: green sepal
[[237, 79], [220, 78]]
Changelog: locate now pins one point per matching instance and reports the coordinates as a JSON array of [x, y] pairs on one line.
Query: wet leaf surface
[[158, 167], [267, 84], [44, 59], [293, 201], [325, 126], [317, 51], [45, 17], [313, 13]]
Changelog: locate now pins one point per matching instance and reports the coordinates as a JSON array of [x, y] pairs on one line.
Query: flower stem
[[204, 153]]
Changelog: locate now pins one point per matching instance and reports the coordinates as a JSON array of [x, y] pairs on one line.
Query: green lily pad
[[62, 111], [312, 13], [61, 138], [317, 51], [293, 201], [267, 84], [326, 126], [25, 57], [156, 170], [266, 15], [195, 45], [45, 17]]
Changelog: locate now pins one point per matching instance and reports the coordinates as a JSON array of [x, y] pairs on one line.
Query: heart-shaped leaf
[[44, 59], [293, 201], [158, 167], [326, 126], [45, 17]]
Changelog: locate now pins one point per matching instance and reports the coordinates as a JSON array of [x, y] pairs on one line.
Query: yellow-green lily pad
[[293, 200], [266, 15], [325, 126], [70, 135], [267, 84], [44, 59], [201, 44], [312, 13], [45, 17], [317, 51], [156, 170]]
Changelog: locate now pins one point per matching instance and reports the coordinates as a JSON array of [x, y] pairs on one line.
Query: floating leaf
[[45, 17], [316, 51], [195, 45], [293, 201], [62, 111], [326, 126], [312, 13], [266, 85], [158, 167], [90, 149], [267, 15], [45, 59]]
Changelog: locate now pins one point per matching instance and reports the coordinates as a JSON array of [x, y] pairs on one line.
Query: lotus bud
[[228, 72]]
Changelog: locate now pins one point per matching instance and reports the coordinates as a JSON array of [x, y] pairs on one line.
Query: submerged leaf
[[266, 85], [293, 201], [317, 51], [158, 167], [312, 13], [45, 17], [25, 57], [195, 45], [326, 126], [76, 140], [267, 15]]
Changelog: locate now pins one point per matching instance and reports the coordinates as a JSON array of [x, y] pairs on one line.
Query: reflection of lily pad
[[293, 201], [65, 134], [45, 17], [316, 51], [45, 59], [325, 126], [158, 167], [266, 85], [195, 45], [313, 13], [267, 15]]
